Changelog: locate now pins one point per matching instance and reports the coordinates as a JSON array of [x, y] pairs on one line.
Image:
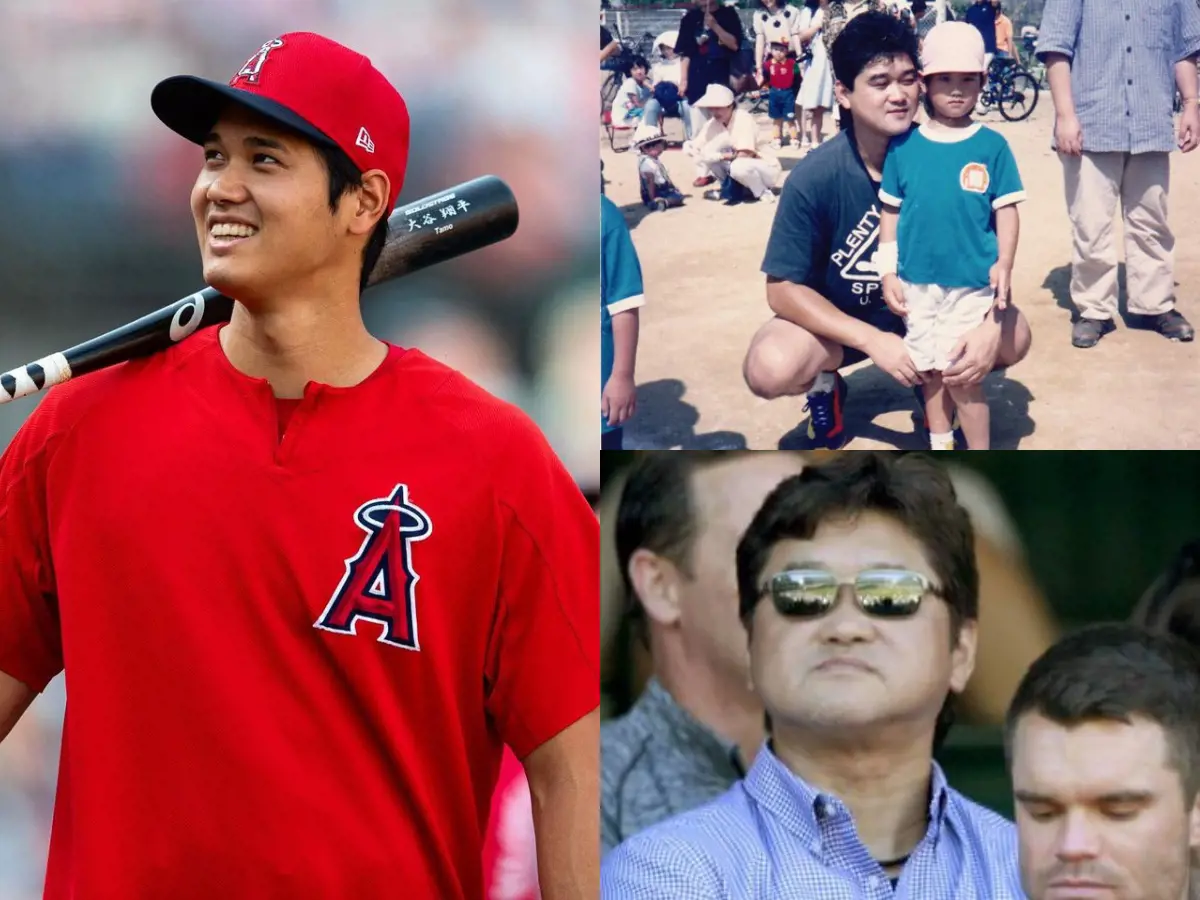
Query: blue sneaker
[[826, 424], [960, 439]]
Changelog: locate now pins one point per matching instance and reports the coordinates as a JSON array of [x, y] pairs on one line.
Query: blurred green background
[[1097, 528]]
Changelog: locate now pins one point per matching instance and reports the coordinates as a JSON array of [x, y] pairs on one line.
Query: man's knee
[[1016, 338], [770, 371]]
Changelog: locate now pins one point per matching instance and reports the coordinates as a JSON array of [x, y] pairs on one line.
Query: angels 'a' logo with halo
[[974, 178], [250, 71]]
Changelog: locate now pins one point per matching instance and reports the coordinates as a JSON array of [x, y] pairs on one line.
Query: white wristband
[[887, 258]]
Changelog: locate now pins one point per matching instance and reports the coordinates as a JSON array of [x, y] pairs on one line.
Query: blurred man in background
[[1103, 738], [858, 586], [697, 724], [982, 14]]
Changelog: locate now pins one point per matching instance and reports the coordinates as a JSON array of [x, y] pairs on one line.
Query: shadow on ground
[[874, 393], [1058, 283], [664, 419]]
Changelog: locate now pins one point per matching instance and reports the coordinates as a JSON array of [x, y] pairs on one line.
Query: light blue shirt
[[948, 184], [772, 836], [1123, 55]]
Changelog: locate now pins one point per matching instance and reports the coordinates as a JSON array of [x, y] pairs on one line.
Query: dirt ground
[[705, 297]]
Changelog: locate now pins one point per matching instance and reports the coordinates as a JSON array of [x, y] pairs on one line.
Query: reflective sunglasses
[[882, 593]]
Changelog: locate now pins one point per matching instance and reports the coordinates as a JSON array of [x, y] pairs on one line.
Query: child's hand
[[893, 295], [618, 401], [1000, 277]]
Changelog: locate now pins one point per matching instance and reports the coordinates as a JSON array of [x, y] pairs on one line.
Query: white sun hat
[[716, 95], [646, 134]]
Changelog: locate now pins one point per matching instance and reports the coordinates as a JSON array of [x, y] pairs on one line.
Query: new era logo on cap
[[364, 141]]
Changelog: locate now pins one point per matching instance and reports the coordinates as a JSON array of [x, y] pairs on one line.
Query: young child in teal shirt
[[948, 231]]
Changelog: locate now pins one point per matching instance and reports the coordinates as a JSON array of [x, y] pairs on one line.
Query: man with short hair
[[697, 724], [858, 589], [1113, 74], [924, 17], [1103, 740], [822, 283], [982, 14]]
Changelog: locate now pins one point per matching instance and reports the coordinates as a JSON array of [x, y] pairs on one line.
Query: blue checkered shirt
[[773, 837], [1123, 55]]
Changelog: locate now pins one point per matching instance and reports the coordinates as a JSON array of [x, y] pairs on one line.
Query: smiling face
[[845, 669], [1101, 811], [261, 208], [885, 93], [953, 94]]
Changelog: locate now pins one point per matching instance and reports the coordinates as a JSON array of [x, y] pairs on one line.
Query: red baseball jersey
[[291, 665]]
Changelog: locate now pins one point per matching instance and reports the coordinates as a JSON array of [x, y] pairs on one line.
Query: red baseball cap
[[308, 83]]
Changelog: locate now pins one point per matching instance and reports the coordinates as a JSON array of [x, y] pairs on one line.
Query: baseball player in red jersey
[[304, 585]]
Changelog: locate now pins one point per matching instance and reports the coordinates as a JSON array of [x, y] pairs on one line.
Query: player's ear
[[370, 202]]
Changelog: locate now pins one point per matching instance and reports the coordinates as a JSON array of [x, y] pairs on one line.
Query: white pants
[[937, 318], [758, 175]]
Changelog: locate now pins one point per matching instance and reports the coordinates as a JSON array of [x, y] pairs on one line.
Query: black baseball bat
[[467, 217]]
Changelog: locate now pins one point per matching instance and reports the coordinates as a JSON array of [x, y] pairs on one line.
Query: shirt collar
[[688, 735], [801, 808]]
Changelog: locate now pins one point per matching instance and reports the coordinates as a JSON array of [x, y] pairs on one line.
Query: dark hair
[[911, 488], [657, 510], [639, 60], [1171, 605], [344, 176], [864, 39], [1114, 672], [918, 5]]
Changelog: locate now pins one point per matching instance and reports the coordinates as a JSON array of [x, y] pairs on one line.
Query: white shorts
[[937, 318]]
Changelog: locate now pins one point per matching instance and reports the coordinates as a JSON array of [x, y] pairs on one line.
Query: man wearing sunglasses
[[859, 589], [686, 738]]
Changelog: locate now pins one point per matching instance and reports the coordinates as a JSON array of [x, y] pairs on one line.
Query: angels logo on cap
[[328, 93], [251, 69]]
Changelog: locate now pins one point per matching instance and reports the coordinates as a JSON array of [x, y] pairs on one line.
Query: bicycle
[[1011, 89]]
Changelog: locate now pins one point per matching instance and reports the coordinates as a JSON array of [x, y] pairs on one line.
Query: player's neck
[[717, 700], [314, 341]]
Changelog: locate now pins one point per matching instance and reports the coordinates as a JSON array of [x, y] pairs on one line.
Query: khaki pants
[[1094, 183]]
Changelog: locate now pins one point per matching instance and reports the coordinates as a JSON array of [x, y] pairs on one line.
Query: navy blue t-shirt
[[709, 61], [983, 17], [826, 231]]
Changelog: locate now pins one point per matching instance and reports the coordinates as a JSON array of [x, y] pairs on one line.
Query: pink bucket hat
[[952, 47]]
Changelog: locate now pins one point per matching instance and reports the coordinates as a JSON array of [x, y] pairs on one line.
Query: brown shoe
[[701, 182]]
